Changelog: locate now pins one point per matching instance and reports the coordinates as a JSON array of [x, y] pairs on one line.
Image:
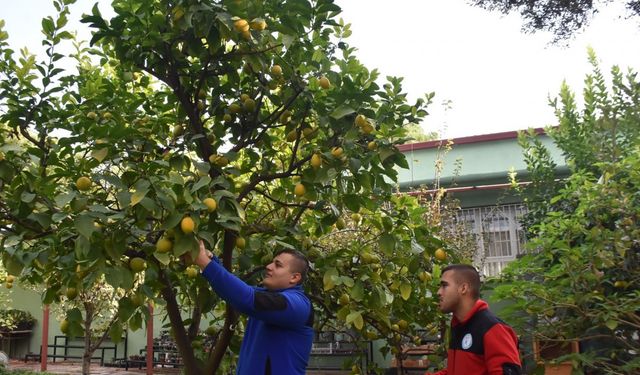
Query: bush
[[16, 320]]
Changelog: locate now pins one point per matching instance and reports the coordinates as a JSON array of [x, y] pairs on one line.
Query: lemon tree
[[108, 168]]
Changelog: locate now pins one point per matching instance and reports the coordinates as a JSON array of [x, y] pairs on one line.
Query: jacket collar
[[479, 306]]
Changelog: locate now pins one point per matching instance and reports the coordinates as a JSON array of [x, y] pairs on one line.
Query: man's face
[[279, 275], [448, 293]]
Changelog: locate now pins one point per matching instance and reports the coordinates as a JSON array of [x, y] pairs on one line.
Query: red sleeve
[[441, 372], [500, 348]]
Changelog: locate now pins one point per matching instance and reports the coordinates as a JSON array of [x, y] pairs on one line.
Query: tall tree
[[562, 18], [581, 281], [248, 124]]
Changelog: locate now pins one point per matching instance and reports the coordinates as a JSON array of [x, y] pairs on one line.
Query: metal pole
[[150, 341], [45, 338]]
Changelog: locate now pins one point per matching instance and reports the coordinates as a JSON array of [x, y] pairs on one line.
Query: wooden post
[[45, 338], [150, 341]]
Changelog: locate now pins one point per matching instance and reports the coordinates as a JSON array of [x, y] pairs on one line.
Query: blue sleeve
[[287, 308]]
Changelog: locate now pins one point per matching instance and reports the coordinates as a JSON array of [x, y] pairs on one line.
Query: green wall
[[483, 163], [28, 300]]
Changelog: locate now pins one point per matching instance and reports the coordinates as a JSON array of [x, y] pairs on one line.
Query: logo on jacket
[[467, 341]]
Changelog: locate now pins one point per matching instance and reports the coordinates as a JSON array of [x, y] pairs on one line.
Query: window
[[499, 233]]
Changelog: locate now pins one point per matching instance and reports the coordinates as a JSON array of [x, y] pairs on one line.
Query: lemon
[[241, 243], [211, 204], [258, 24], [337, 152], [324, 82], [276, 70], [241, 25], [71, 293], [361, 121], [299, 190], [64, 326], [137, 264], [164, 245], [316, 161], [187, 225], [83, 183]]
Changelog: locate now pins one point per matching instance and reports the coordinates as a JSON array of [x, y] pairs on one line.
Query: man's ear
[[464, 288], [296, 277]]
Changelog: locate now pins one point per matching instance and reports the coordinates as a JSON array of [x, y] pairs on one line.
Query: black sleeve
[[511, 369], [269, 301]]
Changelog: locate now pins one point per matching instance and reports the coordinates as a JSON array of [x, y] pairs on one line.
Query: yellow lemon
[[211, 204], [258, 24], [187, 225], [137, 264], [241, 243], [316, 161], [241, 25], [440, 255], [299, 190], [336, 152], [324, 82], [276, 70], [83, 183], [164, 245]]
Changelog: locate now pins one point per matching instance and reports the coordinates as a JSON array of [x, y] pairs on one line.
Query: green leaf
[[416, 248], [84, 225], [163, 258], [115, 332], [611, 324], [27, 197], [137, 197], [405, 291], [100, 154], [387, 243], [329, 278], [357, 292], [204, 181], [185, 244], [342, 111], [355, 318]]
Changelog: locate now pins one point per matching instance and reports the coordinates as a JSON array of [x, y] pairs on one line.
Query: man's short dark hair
[[466, 273], [300, 263]]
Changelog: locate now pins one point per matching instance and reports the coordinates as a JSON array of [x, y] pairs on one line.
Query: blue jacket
[[279, 333]]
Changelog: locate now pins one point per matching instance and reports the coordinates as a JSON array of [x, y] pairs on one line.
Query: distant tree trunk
[[88, 350]]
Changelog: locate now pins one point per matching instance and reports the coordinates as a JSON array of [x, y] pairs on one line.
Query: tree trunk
[[88, 350], [223, 341], [230, 314], [189, 361]]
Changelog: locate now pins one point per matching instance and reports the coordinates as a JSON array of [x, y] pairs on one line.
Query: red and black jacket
[[482, 344]]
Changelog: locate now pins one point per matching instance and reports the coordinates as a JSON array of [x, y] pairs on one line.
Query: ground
[[69, 368]]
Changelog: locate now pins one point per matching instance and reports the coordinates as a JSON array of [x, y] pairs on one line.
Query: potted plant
[[16, 320]]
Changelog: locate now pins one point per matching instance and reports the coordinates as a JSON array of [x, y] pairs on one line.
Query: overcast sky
[[495, 77]]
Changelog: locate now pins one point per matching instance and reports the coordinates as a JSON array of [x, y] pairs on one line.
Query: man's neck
[[464, 308]]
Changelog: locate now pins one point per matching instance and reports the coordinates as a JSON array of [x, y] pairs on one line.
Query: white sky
[[496, 78]]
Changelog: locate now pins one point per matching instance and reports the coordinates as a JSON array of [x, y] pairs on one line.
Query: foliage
[[16, 320], [562, 18], [178, 102], [582, 281]]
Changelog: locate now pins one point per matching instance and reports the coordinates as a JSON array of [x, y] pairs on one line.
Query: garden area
[[255, 128]]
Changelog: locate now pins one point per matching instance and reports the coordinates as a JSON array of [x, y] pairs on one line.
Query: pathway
[[75, 368]]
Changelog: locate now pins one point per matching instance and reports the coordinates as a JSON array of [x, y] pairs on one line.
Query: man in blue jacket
[[279, 332]]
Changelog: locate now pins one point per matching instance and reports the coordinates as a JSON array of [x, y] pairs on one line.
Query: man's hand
[[204, 256]]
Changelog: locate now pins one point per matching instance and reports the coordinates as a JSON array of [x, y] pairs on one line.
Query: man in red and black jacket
[[480, 342]]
